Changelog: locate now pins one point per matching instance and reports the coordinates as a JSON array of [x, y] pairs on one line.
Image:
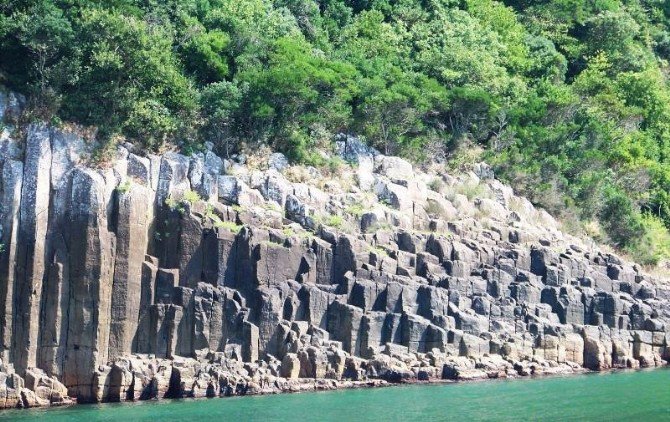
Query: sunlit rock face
[[173, 276]]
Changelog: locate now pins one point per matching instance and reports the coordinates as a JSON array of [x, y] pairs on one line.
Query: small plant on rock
[[297, 174], [378, 226], [471, 190], [211, 215], [175, 205], [434, 209], [436, 184], [380, 252], [124, 187], [229, 225], [171, 203], [335, 221], [356, 210], [272, 206], [191, 197]]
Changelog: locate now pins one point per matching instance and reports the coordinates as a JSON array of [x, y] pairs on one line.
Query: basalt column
[[132, 228], [91, 247], [30, 259], [10, 201], [56, 289]]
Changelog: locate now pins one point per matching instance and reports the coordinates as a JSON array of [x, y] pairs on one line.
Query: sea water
[[619, 396]]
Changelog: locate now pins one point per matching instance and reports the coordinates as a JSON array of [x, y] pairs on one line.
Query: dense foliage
[[568, 98]]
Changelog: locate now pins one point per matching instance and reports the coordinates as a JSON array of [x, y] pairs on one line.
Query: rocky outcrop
[[174, 276]]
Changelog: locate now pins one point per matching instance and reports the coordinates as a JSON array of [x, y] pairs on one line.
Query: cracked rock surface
[[173, 276]]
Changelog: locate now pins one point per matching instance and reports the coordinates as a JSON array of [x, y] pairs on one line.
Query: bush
[[622, 223], [335, 221], [436, 185], [357, 210], [229, 225], [191, 197], [652, 244], [151, 121]]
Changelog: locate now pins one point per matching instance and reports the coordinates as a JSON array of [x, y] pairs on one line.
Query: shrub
[[471, 190], [229, 225], [652, 243], [357, 210], [335, 221], [622, 222], [434, 209], [379, 226], [124, 187], [191, 197], [436, 184]]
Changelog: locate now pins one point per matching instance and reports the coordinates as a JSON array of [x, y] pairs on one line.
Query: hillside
[[169, 276], [568, 100]]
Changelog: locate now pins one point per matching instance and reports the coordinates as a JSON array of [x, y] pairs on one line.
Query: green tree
[[221, 106], [47, 42], [296, 89], [130, 81], [203, 52]]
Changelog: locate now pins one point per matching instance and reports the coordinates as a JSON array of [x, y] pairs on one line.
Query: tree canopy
[[569, 99]]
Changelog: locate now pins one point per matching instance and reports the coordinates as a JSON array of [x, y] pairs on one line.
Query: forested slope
[[568, 99]]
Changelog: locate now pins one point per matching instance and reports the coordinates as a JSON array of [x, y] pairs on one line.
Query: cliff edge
[[175, 276]]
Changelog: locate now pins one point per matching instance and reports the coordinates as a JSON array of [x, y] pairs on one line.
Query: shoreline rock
[[456, 371]]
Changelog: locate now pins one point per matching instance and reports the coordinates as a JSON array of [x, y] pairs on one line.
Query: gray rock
[[277, 161], [352, 149], [229, 189]]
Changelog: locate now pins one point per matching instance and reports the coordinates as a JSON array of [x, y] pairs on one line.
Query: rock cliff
[[173, 276]]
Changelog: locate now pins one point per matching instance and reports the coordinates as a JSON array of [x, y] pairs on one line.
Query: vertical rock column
[[30, 258], [141, 343], [11, 178], [55, 304], [56, 293], [131, 246], [172, 183], [91, 247], [67, 148]]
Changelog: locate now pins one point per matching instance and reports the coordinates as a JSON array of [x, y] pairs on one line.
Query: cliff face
[[172, 275]]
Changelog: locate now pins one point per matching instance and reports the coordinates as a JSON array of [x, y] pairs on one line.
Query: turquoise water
[[629, 396]]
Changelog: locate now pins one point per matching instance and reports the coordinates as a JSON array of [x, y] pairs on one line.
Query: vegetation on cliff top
[[569, 98]]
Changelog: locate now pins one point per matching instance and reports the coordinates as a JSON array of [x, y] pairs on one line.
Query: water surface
[[641, 395]]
